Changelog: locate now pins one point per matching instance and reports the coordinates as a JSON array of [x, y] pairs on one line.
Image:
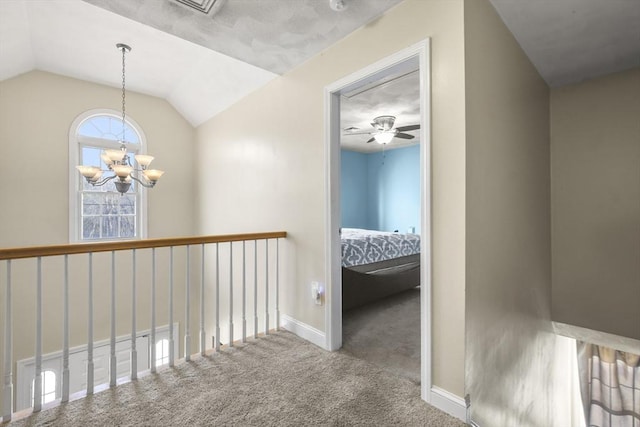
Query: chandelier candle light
[[118, 161]]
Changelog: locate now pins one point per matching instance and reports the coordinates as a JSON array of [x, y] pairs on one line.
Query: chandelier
[[122, 171]]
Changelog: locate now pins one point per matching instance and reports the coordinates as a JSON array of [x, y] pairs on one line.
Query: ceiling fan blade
[[371, 140], [407, 128], [404, 135], [357, 133]]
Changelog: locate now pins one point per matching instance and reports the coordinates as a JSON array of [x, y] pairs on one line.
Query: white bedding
[[361, 246]]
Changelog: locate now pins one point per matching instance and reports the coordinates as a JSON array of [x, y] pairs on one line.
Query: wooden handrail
[[80, 248]]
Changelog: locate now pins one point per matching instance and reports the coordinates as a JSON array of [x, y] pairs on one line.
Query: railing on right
[[119, 296]]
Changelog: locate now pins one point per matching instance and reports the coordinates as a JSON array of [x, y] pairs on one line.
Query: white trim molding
[[413, 57], [304, 331], [449, 403]]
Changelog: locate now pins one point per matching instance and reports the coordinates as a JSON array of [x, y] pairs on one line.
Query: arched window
[[100, 212], [48, 387], [162, 352]]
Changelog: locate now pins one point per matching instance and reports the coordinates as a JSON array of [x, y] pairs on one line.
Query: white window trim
[[74, 176]]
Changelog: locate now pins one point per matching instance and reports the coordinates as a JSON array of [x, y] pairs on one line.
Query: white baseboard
[[304, 331], [449, 403]]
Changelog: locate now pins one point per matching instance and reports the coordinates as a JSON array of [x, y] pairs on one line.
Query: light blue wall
[[381, 191], [353, 195]]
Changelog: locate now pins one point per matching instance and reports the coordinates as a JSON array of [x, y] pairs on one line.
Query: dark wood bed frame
[[363, 284]]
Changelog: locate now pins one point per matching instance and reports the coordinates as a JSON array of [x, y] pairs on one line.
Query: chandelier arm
[[149, 184], [101, 182]]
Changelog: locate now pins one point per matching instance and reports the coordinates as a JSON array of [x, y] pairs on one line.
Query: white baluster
[[65, 333], [134, 333], [171, 355], [202, 332], [255, 289], [216, 337], [277, 285], [7, 407], [266, 287], [230, 294], [90, 329], [244, 292], [112, 350], [37, 387], [187, 311], [153, 309]]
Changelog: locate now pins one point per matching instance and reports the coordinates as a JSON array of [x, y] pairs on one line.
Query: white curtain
[[610, 386]]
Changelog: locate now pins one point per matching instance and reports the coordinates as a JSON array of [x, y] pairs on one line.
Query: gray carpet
[[386, 333], [278, 380]]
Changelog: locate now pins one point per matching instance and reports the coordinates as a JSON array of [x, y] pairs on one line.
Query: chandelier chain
[[123, 96]]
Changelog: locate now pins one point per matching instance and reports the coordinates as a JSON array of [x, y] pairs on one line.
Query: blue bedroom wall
[[381, 191], [353, 194]]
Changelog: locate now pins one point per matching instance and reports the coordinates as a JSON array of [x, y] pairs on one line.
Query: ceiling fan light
[[384, 137]]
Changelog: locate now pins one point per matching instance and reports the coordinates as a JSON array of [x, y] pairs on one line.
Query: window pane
[[110, 128], [110, 227], [91, 203], [128, 226], [162, 352], [48, 387], [108, 215], [91, 227], [90, 128], [128, 204], [111, 204]]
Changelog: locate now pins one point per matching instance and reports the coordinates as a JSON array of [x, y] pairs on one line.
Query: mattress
[[361, 246]]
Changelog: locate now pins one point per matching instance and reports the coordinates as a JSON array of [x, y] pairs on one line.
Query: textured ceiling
[[203, 63], [569, 41], [275, 35]]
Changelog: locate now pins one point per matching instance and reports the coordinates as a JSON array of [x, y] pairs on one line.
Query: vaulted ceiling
[[201, 63]]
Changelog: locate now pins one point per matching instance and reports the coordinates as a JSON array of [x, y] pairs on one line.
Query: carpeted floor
[[386, 333], [278, 380]]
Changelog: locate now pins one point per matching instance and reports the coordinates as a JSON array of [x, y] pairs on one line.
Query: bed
[[377, 264]]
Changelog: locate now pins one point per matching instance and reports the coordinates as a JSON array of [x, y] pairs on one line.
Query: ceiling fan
[[384, 131]]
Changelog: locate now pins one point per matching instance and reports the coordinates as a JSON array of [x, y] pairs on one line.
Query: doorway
[[401, 63]]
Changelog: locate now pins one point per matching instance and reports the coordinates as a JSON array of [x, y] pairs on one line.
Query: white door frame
[[418, 54]]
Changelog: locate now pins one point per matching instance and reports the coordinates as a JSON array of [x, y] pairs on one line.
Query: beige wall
[[595, 187], [263, 164], [510, 347]]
